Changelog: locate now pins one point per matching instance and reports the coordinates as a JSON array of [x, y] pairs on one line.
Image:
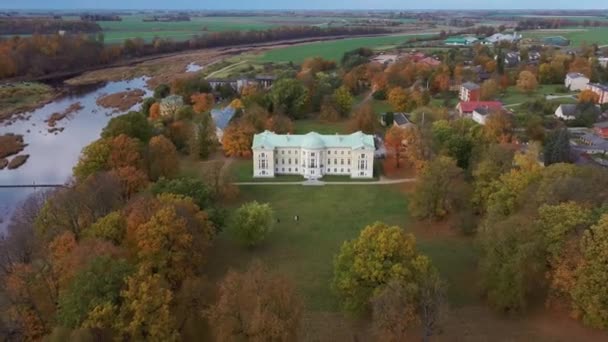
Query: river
[[52, 156]]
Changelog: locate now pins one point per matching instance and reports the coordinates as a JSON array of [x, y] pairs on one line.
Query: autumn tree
[[434, 193], [256, 305], [93, 158], [398, 98], [163, 159], [394, 312], [252, 222], [590, 293], [154, 112], [364, 119], [344, 100], [131, 180], [125, 152], [164, 231], [366, 264], [202, 102], [588, 96], [416, 149], [489, 90], [329, 111], [394, 141], [498, 127], [100, 283], [237, 139], [526, 82], [280, 124], [288, 97], [111, 227], [146, 310], [132, 124], [162, 91]]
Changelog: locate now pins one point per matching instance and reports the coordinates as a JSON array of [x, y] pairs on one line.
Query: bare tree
[[432, 304]]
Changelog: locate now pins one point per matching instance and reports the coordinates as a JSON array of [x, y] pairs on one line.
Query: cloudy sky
[[308, 4]]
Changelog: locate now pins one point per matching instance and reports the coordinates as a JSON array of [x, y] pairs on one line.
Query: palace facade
[[313, 155]]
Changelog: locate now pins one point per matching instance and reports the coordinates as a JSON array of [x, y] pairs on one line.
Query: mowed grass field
[[332, 50], [304, 250], [577, 36]]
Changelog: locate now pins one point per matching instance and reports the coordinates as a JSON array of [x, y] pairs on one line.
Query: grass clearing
[[330, 215], [577, 36], [321, 127], [20, 97], [332, 50], [514, 96]]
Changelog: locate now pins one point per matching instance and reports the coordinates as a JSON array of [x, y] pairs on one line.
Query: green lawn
[[577, 35], [310, 125], [332, 50], [329, 215], [514, 96]]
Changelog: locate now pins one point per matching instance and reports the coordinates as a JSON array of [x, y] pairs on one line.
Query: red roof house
[[467, 108]]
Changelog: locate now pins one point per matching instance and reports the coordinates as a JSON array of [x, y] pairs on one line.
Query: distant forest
[[46, 26], [41, 55]]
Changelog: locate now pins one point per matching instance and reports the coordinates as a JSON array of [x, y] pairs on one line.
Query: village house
[[601, 129], [469, 91], [480, 114], [572, 111], [313, 155], [466, 109], [221, 119], [556, 41], [576, 81], [512, 59], [603, 61], [593, 144], [601, 90]]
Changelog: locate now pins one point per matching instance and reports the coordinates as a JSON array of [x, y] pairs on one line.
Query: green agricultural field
[[329, 215], [133, 27], [332, 50], [576, 35]]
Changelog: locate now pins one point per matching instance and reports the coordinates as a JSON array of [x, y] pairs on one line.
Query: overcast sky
[[308, 4]]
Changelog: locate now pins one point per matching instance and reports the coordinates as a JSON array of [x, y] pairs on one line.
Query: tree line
[[46, 26], [41, 55]]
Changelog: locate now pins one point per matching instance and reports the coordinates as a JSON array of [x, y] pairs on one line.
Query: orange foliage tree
[[394, 141], [587, 96], [237, 139], [202, 102], [154, 112], [125, 151], [163, 158]]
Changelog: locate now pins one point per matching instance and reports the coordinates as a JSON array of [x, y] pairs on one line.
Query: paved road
[[382, 181]]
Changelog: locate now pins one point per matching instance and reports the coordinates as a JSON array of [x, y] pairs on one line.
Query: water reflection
[[193, 67], [52, 156]]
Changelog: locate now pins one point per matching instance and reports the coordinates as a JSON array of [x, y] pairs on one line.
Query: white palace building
[[313, 155]]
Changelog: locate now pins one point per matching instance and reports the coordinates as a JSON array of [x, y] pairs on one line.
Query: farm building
[[556, 41], [460, 41]]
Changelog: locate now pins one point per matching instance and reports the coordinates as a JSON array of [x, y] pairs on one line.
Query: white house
[[603, 62], [480, 114], [576, 81], [313, 155]]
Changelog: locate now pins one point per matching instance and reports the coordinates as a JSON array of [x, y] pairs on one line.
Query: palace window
[[348, 161], [289, 161], [328, 161], [341, 161], [328, 152], [342, 152], [336, 161]]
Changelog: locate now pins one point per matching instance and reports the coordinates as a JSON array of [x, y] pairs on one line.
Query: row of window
[[312, 153]]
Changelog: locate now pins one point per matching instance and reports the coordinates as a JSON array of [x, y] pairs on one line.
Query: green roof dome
[[313, 140]]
